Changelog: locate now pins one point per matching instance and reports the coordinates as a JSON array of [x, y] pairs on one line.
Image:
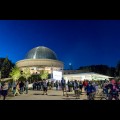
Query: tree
[[118, 69], [101, 69], [26, 73], [1, 62], [44, 74], [15, 73], [112, 71], [6, 67]]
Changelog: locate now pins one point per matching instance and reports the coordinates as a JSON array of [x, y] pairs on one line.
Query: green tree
[[15, 73], [26, 73], [6, 67], [44, 74]]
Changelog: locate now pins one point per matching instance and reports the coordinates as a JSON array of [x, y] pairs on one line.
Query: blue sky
[[80, 42]]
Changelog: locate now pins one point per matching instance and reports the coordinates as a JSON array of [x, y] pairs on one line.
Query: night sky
[[80, 42]]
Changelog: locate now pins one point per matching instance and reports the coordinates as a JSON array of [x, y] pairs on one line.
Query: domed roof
[[41, 52]]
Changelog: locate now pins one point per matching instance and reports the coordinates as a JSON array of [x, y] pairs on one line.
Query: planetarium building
[[40, 58]]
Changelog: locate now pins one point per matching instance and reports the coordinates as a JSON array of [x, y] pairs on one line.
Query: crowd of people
[[16, 88], [91, 88]]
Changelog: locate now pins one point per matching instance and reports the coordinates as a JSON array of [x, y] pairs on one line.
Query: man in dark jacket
[[21, 87], [89, 89], [114, 89]]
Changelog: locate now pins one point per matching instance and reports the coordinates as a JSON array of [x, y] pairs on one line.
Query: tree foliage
[[5, 67], [26, 73], [44, 74], [118, 69], [15, 73], [101, 69]]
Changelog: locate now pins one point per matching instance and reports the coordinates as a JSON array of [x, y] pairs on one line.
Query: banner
[[57, 75]]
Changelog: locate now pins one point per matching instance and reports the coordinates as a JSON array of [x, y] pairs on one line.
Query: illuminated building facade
[[40, 58]]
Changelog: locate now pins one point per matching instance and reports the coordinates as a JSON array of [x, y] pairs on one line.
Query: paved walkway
[[52, 95]]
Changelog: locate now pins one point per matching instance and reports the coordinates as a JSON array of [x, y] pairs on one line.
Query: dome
[[41, 52]]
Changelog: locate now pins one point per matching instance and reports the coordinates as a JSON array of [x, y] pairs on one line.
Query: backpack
[[76, 86], [45, 84], [114, 89]]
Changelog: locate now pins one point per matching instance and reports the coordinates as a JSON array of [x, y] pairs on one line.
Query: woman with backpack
[[114, 89]]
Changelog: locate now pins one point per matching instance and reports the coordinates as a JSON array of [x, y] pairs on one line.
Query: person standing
[[48, 85], [80, 86], [44, 87], [13, 85], [26, 86], [89, 90], [5, 90], [33, 85], [37, 85], [68, 86], [21, 87], [63, 85], [56, 84]]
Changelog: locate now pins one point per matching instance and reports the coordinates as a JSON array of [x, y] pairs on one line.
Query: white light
[[70, 64], [57, 75]]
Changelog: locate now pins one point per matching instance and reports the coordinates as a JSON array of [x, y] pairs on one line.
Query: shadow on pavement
[[54, 95], [70, 98], [37, 94]]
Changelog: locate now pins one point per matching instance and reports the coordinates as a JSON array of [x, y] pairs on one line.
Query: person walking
[[16, 90], [26, 86], [76, 89], [80, 86]]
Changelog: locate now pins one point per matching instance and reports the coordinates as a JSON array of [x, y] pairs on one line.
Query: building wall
[[39, 62], [36, 70], [36, 65]]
